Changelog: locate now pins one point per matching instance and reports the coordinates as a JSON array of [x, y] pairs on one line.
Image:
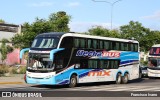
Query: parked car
[[144, 71]]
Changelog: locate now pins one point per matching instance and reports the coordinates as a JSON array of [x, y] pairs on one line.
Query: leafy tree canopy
[[57, 22], [2, 21], [133, 30]]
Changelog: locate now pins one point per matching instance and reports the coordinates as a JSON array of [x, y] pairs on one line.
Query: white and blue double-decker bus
[[69, 58]]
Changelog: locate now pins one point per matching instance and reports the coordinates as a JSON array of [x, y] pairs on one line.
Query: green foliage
[[145, 36], [145, 63], [9, 49], [100, 31], [57, 22], [22, 70], [3, 70], [14, 71], [135, 30], [2, 21], [3, 50]]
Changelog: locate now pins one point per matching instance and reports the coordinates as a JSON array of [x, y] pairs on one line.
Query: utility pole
[[111, 4]]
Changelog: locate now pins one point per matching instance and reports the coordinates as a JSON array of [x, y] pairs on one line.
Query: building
[[7, 31]]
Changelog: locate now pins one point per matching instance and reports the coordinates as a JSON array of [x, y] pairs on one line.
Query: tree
[[135, 30], [100, 31], [57, 22], [153, 37], [2, 21], [4, 49]]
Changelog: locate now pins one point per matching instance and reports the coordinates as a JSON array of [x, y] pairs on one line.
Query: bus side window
[[116, 64], [59, 64], [84, 63], [95, 44], [126, 46], [107, 45], [82, 43], [101, 64], [93, 64], [117, 46], [76, 43], [157, 50], [101, 44], [113, 45], [89, 43], [122, 47], [67, 42], [136, 47]]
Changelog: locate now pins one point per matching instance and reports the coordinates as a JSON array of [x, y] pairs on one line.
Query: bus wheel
[[118, 78], [73, 81], [125, 78]]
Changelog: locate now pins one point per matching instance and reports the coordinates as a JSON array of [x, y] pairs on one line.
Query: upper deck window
[[155, 50], [45, 42]]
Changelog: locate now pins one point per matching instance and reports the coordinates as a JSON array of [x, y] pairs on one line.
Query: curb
[[11, 82]]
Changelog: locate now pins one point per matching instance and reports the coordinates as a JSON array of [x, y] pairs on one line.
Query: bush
[[14, 71], [22, 70], [3, 70]]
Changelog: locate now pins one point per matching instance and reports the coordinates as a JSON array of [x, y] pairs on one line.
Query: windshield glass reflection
[[45, 42]]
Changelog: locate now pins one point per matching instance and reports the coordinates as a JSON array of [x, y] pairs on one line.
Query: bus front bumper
[[43, 81], [153, 74]]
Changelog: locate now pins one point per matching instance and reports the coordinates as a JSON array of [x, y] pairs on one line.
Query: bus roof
[[99, 37], [156, 45], [51, 34], [63, 34]]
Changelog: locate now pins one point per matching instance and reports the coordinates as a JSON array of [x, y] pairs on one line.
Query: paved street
[[144, 84]]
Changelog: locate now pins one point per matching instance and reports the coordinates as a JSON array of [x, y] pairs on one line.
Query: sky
[[85, 14]]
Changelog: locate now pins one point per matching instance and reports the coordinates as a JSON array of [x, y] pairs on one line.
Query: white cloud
[[154, 16], [41, 4], [73, 4], [85, 26]]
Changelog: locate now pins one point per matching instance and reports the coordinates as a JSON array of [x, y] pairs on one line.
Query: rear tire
[[73, 81], [118, 78], [125, 78]]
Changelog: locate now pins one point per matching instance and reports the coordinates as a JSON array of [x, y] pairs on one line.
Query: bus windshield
[[45, 42], [154, 62], [40, 64]]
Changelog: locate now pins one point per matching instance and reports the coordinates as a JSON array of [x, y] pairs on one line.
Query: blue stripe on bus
[[64, 82], [129, 61]]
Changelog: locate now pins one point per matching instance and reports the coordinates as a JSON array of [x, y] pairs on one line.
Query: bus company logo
[[97, 54], [99, 73], [110, 54]]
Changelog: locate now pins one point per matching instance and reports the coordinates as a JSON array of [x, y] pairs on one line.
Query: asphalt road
[[95, 90], [136, 85]]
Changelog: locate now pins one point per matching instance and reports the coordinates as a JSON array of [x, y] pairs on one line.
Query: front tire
[[73, 81], [118, 78]]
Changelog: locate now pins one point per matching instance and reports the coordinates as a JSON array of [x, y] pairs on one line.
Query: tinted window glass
[[89, 44], [106, 45]]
